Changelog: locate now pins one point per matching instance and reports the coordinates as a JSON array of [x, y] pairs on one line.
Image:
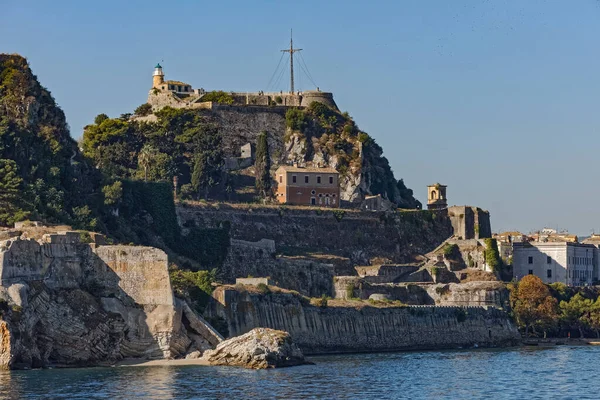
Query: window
[[530, 260], [280, 178], [306, 179], [549, 273], [313, 201], [548, 260], [294, 178], [331, 180], [530, 272], [318, 179], [313, 192]]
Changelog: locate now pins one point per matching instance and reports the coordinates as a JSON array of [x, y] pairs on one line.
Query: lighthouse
[[158, 77]]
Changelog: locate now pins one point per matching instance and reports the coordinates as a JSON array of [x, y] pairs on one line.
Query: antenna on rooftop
[[291, 50]]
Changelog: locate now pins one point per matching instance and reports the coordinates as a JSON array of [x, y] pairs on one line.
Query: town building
[[572, 263], [308, 186], [505, 242], [436, 197]]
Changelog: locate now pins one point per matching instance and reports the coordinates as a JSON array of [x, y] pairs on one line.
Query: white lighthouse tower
[[158, 77]]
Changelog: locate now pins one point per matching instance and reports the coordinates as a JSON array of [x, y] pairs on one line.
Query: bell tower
[[158, 77], [436, 197]]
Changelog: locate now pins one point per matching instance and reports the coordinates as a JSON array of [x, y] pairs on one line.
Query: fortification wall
[[334, 329], [359, 236], [470, 222], [258, 259]]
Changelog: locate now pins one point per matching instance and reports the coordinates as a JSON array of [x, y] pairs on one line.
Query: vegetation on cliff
[[345, 147], [181, 143], [262, 166], [44, 176], [51, 178]]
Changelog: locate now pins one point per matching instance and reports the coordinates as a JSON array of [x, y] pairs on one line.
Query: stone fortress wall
[[337, 329], [159, 99]]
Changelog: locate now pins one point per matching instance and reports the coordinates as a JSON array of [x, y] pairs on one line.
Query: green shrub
[[218, 96], [321, 301], [263, 288], [197, 286], [492, 255], [449, 250], [85, 237], [339, 214], [295, 119], [143, 110]]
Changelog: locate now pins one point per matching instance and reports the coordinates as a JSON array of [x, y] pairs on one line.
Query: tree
[[592, 319], [262, 166], [100, 118], [576, 312], [208, 160], [218, 96], [145, 157], [113, 193], [11, 206], [532, 303], [143, 110]]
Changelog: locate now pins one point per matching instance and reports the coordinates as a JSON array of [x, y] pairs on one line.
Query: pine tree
[[11, 206], [262, 166]]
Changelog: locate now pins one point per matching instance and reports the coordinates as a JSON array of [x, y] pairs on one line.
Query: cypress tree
[[262, 166]]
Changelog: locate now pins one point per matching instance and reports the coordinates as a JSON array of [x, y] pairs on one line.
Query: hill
[[175, 142]]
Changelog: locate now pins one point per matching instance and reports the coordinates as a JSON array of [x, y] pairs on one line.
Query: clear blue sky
[[497, 99]]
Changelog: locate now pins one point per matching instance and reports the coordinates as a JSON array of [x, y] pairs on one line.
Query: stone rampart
[[258, 259], [470, 222], [360, 236], [335, 329]]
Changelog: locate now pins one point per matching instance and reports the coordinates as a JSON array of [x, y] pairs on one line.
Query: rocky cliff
[[67, 303], [355, 329]]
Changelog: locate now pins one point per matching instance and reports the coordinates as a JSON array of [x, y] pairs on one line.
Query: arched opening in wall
[[433, 194]]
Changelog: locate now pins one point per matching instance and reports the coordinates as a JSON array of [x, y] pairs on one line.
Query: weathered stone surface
[[359, 236], [367, 328], [470, 294], [258, 349], [65, 303]]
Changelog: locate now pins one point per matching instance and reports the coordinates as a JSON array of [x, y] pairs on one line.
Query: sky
[[497, 99]]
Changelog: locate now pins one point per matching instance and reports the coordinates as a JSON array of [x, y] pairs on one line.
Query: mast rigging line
[[305, 69], [274, 72], [278, 80]]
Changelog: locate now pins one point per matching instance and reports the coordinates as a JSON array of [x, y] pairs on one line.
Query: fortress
[[178, 94]]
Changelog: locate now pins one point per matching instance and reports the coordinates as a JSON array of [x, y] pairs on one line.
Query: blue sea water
[[561, 372]]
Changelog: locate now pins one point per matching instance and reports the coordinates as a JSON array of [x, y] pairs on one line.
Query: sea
[[561, 372]]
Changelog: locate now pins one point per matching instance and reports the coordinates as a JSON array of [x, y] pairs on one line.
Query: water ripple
[[482, 374]]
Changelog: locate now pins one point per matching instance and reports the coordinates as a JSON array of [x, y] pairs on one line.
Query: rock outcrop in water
[[67, 303], [260, 348]]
